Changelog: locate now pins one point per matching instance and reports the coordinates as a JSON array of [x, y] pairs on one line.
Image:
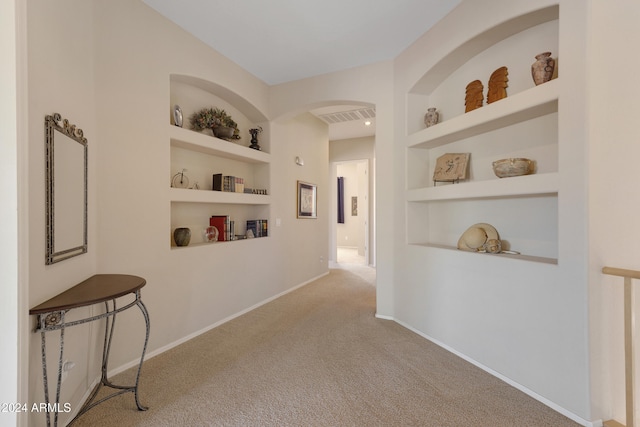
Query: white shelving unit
[[203, 155], [525, 124]]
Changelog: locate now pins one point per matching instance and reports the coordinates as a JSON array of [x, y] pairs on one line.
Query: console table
[[101, 288]]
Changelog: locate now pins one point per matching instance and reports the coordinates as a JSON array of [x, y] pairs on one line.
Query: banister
[[621, 272], [629, 374]]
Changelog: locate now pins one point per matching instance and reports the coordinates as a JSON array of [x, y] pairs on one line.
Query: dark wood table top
[[96, 289]]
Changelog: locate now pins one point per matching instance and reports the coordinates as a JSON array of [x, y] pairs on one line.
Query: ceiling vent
[[349, 116]]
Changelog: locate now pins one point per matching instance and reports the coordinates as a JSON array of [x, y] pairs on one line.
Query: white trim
[[169, 346], [533, 394]]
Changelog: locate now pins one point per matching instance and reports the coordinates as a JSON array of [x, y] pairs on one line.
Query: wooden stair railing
[[628, 340]]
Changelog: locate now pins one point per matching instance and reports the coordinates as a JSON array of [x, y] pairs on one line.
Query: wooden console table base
[[101, 288]]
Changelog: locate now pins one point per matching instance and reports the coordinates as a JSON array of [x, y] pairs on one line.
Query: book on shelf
[[228, 183], [259, 227], [223, 224]]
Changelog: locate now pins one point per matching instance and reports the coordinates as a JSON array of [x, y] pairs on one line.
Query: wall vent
[[349, 116]]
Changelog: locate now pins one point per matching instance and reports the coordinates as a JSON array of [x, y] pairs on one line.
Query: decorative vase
[[432, 117], [223, 132], [182, 236], [542, 69], [254, 139]]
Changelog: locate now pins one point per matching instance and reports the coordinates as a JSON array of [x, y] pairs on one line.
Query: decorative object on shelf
[[542, 69], [180, 180], [432, 117], [307, 196], [513, 167], [216, 119], [211, 234], [254, 137], [451, 167], [474, 96], [177, 115], [480, 237], [498, 83], [182, 236]]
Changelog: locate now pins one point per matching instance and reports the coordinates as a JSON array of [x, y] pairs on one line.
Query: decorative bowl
[[224, 132], [512, 167]]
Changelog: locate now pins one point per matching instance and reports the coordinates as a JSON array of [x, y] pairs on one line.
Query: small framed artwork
[[451, 167], [307, 200], [354, 205]]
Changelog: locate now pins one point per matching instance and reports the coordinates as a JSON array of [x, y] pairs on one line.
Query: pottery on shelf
[[182, 236], [432, 117], [542, 69], [513, 167], [224, 132]]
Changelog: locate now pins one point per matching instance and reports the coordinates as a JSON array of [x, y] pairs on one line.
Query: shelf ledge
[[208, 196], [519, 186], [197, 141], [521, 257], [529, 104]]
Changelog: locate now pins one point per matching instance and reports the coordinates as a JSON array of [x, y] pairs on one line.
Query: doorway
[[351, 225]]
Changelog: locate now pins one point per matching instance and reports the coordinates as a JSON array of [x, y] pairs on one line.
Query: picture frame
[[307, 197]]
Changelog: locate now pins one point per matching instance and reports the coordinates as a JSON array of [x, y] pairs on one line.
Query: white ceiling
[[284, 40]]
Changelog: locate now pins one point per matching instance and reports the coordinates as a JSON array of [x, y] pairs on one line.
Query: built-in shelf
[[527, 185], [535, 102], [208, 196], [201, 155], [205, 144], [203, 244], [521, 257]]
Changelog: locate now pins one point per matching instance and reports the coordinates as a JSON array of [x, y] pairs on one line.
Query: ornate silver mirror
[[66, 189]]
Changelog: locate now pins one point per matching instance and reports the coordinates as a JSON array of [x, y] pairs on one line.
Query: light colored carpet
[[318, 357]]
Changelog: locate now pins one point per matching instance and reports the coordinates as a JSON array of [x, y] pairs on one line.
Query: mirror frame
[[51, 126]]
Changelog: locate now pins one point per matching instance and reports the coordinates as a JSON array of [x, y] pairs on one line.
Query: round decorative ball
[[182, 236], [493, 246]]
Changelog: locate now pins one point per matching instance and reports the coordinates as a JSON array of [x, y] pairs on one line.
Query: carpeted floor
[[318, 357]]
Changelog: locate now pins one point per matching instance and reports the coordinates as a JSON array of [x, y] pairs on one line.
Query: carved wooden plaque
[[498, 85], [474, 96]]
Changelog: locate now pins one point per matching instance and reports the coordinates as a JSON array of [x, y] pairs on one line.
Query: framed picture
[[451, 167], [307, 200]]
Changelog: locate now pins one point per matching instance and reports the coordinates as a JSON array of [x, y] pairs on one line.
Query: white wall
[[525, 322], [65, 84], [13, 312], [614, 192], [107, 70], [373, 85]]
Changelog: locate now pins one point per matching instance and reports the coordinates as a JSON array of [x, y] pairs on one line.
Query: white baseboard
[[533, 394]]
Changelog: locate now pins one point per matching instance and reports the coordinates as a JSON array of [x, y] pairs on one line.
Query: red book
[[219, 222]]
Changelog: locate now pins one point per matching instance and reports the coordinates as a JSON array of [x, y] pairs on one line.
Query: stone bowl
[[505, 168]]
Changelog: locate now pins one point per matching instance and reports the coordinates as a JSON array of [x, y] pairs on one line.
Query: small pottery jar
[[432, 117], [182, 236], [542, 69], [224, 132]]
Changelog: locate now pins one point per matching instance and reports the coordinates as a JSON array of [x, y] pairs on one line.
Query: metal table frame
[[54, 319]]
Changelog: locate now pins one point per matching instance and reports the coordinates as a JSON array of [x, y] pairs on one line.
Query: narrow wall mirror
[[66, 189]]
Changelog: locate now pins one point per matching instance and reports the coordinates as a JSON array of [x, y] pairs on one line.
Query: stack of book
[[233, 184], [226, 227], [259, 227]]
